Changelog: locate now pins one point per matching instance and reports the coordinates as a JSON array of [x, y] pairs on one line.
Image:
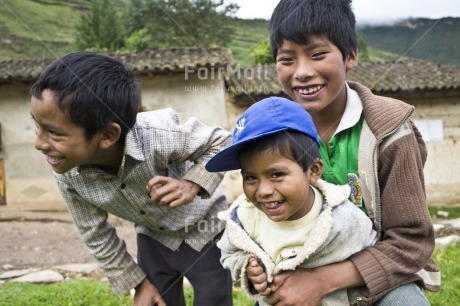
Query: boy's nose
[[304, 71], [264, 188], [40, 142]]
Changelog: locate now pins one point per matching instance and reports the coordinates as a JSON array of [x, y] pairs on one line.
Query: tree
[[114, 25], [261, 53], [139, 40], [133, 16], [179, 23], [101, 28]]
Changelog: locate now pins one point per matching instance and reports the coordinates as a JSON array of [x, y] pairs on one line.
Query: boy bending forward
[[104, 156]]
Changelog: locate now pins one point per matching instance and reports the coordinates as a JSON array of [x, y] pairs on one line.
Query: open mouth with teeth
[[272, 207], [309, 90], [54, 161]]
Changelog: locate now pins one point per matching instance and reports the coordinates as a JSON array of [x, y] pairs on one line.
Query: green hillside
[[46, 28], [436, 40], [248, 33], [38, 28]]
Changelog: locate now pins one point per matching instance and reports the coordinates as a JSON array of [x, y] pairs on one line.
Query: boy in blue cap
[[367, 141], [288, 217], [104, 155]]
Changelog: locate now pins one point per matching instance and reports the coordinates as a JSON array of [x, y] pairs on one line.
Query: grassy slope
[[46, 28], [247, 35], [37, 29]]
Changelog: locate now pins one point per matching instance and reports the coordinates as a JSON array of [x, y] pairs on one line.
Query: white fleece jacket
[[340, 230]]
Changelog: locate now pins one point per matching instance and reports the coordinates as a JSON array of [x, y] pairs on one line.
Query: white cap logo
[[239, 127]]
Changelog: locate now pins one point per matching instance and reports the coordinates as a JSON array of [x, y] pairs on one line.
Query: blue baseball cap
[[268, 116]]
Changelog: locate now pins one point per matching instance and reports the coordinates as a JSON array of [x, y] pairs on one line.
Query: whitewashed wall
[[442, 169], [29, 179]]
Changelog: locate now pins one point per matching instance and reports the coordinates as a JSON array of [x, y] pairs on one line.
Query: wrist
[[340, 275], [141, 284], [194, 187]]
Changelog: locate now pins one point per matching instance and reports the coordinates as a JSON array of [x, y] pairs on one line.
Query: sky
[[366, 11]]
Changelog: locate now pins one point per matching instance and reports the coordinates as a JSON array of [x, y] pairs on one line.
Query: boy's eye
[[54, 133], [249, 178], [319, 55], [277, 174], [285, 60]]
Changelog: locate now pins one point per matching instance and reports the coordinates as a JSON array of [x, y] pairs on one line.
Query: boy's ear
[[352, 59], [110, 135], [315, 171]]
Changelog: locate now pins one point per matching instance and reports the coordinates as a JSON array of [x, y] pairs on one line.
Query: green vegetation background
[[46, 29]]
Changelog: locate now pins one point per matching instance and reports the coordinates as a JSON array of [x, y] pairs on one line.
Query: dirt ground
[[45, 239]]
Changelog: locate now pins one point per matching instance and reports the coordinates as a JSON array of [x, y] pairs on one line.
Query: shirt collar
[[353, 110], [134, 144], [133, 148]]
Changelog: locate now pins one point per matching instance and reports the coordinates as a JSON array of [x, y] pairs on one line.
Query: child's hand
[[256, 274], [147, 294], [171, 192]]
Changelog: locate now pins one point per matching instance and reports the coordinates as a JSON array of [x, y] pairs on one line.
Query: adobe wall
[[29, 179]]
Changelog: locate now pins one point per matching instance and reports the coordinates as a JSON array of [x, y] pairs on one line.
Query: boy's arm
[[171, 192], [232, 258], [102, 241], [408, 236], [194, 142], [236, 261], [203, 142]]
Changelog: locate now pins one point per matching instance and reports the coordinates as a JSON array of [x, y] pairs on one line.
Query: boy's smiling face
[[63, 142], [313, 74], [278, 186]]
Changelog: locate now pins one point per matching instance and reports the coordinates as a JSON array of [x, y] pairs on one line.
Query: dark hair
[[93, 90], [291, 144], [298, 20]]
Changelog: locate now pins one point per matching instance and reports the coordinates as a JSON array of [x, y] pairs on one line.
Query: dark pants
[[212, 284]]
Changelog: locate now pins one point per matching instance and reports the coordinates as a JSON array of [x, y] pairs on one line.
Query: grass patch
[[454, 212], [80, 293], [447, 259], [75, 293]]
